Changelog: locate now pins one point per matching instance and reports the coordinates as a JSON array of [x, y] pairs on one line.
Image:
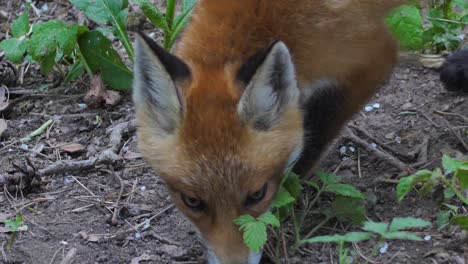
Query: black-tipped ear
[[155, 91], [270, 86]]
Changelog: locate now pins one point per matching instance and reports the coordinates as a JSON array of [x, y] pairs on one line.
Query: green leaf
[[153, 14], [182, 20], [406, 24], [460, 3], [328, 178], [48, 61], [462, 175], [47, 37], [20, 26], [349, 237], [244, 219], [292, 184], [255, 235], [108, 11], [344, 190], [312, 184], [401, 235], [379, 228], [443, 218], [461, 220], [13, 225], [76, 71], [450, 164], [14, 49], [348, 209], [100, 56], [282, 198], [269, 219], [407, 223], [407, 183], [448, 194]]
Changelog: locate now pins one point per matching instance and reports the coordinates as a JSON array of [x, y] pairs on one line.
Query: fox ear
[[155, 91], [270, 86]]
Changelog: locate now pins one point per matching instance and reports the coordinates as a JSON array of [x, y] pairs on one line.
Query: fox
[[253, 88]]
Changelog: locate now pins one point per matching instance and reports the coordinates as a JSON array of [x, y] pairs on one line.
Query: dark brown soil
[[74, 209]]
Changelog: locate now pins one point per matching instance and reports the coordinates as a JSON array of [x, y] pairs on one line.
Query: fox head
[[219, 136]]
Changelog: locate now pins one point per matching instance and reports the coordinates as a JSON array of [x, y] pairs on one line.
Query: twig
[[119, 197], [55, 254], [452, 114], [359, 163], [3, 252], [358, 250], [428, 118], [378, 153], [457, 135], [68, 259]]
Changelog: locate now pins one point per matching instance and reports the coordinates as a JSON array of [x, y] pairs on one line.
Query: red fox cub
[[255, 87]]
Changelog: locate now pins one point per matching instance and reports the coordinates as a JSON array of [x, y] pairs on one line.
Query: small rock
[[343, 149], [390, 135], [138, 236], [174, 251], [373, 145], [384, 248], [142, 188], [82, 106], [398, 140], [352, 149], [68, 180], [24, 147], [376, 106], [368, 108], [407, 106], [427, 238]]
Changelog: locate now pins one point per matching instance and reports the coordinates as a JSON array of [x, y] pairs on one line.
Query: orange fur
[[221, 160]]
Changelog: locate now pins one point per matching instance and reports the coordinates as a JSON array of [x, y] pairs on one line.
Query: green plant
[[346, 206], [15, 225], [384, 231], [438, 30], [451, 181], [171, 24]]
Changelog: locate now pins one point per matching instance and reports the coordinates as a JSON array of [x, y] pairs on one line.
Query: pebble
[[82, 106], [427, 238], [343, 149], [24, 147], [384, 248], [368, 108], [352, 149], [373, 145], [138, 236], [68, 181], [390, 135], [376, 106], [143, 188], [398, 140]]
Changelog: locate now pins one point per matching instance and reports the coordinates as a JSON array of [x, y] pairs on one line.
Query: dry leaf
[[4, 98], [3, 126], [90, 238], [143, 257], [72, 148], [132, 155], [98, 94]]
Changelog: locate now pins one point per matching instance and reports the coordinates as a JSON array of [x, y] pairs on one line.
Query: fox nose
[[253, 258]]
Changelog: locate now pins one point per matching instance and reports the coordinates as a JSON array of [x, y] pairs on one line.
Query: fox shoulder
[[454, 72]]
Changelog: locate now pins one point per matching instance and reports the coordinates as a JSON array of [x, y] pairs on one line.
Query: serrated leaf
[[153, 14], [349, 237], [14, 49], [401, 235], [312, 184], [379, 228], [20, 26], [407, 223], [450, 164], [461, 220], [255, 235], [348, 209], [244, 219], [328, 178], [406, 24], [269, 219], [344, 190], [282, 198], [405, 184], [292, 184], [100, 56]]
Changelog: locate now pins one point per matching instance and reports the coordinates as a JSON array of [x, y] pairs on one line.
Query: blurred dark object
[[454, 72], [8, 73]]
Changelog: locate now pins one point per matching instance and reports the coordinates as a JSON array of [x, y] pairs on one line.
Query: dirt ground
[[74, 209]]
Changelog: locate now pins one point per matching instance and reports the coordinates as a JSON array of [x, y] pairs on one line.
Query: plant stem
[[123, 35], [374, 249], [38, 131], [170, 11], [454, 189], [296, 228], [60, 70], [82, 59], [309, 206]]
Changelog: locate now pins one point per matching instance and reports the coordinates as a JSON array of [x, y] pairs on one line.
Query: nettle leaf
[[20, 26], [282, 198], [312, 184], [443, 218], [406, 24], [182, 20], [407, 223], [461, 220], [379, 228], [269, 219], [75, 71], [14, 49], [292, 184], [450, 164], [328, 178], [100, 56], [344, 190], [14, 225], [255, 235], [153, 14], [401, 235], [349, 237], [348, 209], [244, 219], [407, 183], [48, 37]]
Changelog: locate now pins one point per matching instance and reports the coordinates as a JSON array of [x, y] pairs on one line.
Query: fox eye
[[193, 203], [256, 197]]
